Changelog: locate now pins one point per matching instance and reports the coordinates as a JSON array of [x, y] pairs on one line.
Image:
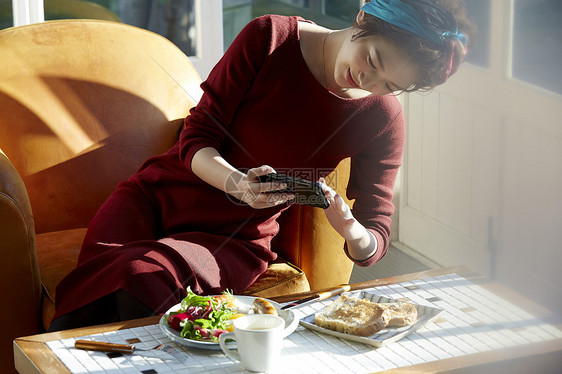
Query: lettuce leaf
[[209, 315]]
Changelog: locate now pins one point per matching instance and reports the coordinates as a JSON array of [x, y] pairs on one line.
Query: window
[[537, 43], [333, 14], [6, 11], [478, 12], [20, 12]]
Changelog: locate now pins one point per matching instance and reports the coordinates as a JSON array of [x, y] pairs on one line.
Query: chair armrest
[[322, 254], [20, 271]]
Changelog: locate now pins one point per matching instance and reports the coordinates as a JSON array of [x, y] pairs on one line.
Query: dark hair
[[432, 60]]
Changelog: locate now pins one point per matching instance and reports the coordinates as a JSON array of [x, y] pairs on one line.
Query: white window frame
[[26, 12], [208, 18]]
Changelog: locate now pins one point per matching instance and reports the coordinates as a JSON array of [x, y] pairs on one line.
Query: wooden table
[[32, 355]]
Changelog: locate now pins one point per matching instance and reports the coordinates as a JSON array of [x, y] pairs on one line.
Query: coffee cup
[[259, 338]]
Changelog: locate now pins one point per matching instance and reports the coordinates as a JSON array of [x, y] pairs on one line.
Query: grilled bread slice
[[359, 317], [353, 316], [401, 314]]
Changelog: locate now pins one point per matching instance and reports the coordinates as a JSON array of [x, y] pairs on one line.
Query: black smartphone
[[306, 192]]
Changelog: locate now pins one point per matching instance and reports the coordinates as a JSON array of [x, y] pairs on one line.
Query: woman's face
[[374, 64]]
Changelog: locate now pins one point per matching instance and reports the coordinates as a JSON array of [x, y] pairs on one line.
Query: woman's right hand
[[259, 195], [209, 165]]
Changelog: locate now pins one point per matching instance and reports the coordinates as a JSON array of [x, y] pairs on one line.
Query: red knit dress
[[165, 229]]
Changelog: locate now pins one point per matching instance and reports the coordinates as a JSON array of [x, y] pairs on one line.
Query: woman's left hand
[[361, 243], [339, 214]]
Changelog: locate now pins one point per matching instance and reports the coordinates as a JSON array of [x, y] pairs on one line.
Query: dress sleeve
[[371, 184], [208, 123]]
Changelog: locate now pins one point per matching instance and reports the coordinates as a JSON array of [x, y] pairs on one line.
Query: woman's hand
[[209, 165], [361, 243], [339, 214], [260, 195]]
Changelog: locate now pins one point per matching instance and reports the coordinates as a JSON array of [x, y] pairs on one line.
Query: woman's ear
[[360, 17]]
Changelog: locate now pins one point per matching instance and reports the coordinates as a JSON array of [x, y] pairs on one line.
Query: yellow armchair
[[83, 103]]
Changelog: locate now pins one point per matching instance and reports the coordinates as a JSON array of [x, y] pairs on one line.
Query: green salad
[[203, 317]]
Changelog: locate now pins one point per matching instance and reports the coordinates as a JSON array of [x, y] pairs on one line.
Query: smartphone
[[306, 192]]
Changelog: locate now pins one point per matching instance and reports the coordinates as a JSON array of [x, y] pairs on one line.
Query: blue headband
[[406, 17]]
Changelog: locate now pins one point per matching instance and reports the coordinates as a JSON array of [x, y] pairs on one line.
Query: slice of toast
[[353, 316], [401, 314], [359, 317]]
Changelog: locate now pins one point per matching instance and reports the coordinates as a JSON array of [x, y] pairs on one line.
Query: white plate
[[291, 324], [426, 314]]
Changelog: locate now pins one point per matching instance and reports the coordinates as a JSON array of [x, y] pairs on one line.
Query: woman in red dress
[[291, 96]]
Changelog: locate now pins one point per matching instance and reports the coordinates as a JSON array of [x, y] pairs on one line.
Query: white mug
[[259, 338]]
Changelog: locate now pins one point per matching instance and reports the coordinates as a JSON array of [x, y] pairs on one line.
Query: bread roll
[[262, 306]]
